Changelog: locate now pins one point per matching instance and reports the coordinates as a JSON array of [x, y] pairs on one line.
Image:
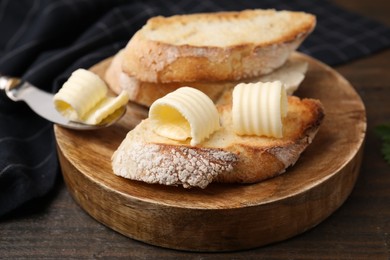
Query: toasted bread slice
[[145, 93], [224, 157], [222, 46], [291, 74]]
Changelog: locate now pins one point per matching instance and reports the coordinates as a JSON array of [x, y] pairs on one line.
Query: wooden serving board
[[223, 217]]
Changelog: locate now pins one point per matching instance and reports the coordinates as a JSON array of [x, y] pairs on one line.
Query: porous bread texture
[[224, 46], [224, 157], [291, 74]]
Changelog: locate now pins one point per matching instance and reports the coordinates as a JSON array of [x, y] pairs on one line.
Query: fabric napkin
[[43, 41]]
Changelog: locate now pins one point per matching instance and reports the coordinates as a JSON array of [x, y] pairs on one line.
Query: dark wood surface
[[55, 226]]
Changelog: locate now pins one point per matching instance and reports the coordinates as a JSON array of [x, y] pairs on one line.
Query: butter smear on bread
[[83, 98], [185, 113]]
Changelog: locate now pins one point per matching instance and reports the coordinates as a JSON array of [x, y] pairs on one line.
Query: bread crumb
[[187, 166]]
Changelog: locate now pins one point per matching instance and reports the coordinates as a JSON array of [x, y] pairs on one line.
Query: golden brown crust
[[154, 59], [159, 21], [145, 93]]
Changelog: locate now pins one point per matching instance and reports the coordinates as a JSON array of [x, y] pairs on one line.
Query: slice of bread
[[145, 93], [224, 157], [223, 46]]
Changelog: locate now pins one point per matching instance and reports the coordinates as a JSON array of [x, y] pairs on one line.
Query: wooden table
[[55, 226]]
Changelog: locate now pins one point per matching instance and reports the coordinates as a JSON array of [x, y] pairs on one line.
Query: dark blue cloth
[[45, 40]]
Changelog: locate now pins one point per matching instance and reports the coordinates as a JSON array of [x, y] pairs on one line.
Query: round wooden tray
[[223, 217]]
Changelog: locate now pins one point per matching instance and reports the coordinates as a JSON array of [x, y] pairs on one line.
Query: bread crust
[[224, 157], [163, 61], [145, 93]]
